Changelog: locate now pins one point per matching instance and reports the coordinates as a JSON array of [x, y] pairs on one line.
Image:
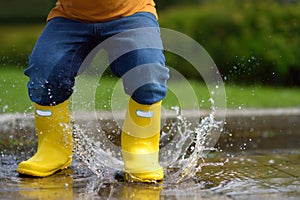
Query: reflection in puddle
[[58, 186], [189, 174], [252, 174]]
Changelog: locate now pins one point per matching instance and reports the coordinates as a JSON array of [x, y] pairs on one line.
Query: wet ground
[[261, 174], [258, 158]]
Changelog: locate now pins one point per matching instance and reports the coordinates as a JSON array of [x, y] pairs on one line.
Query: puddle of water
[[191, 173], [256, 176]]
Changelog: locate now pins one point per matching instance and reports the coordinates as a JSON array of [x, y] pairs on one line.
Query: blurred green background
[[255, 44]]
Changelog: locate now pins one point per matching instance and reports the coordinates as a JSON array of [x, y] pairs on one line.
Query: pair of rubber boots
[[139, 142]]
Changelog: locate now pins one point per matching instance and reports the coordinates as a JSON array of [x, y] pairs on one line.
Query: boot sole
[[122, 176]]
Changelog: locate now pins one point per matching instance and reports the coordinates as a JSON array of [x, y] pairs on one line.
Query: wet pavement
[[258, 158], [257, 174]]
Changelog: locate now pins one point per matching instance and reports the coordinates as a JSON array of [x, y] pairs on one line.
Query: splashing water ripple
[[183, 156]]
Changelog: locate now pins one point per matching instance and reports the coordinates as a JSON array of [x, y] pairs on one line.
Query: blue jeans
[[64, 44]]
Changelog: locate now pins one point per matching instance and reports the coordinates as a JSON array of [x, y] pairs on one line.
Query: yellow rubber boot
[[140, 142], [54, 130]]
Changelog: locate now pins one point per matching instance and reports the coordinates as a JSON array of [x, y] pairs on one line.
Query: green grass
[[257, 96], [17, 42], [23, 36], [13, 91], [14, 98]]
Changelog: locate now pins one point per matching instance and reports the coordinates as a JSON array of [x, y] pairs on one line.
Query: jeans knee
[[48, 86], [49, 92], [146, 84], [52, 77], [150, 93]]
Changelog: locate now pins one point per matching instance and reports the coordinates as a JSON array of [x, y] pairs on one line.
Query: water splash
[[193, 145], [100, 160], [182, 154]]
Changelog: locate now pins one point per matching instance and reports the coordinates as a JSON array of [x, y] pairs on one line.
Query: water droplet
[[271, 161], [4, 108]]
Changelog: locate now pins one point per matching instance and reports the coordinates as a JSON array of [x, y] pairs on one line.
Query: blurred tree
[[250, 41], [19, 11], [163, 4]]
